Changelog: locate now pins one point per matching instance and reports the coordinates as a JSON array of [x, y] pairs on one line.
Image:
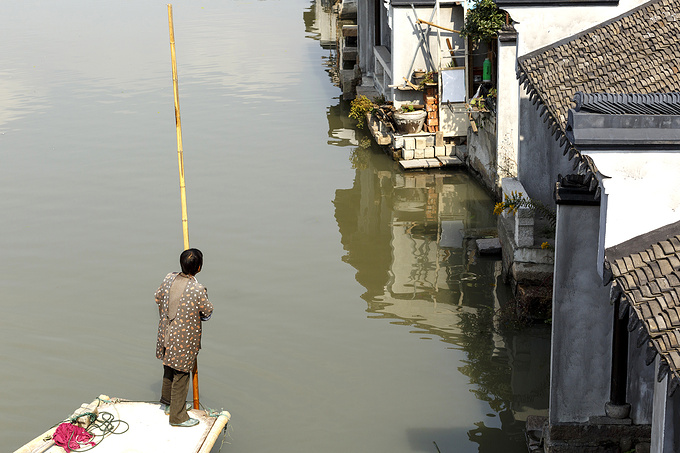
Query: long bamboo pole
[[178, 121], [182, 185]]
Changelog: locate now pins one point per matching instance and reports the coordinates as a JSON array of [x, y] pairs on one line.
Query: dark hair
[[191, 261]]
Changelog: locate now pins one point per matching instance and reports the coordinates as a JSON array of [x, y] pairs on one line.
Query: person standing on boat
[[182, 306]]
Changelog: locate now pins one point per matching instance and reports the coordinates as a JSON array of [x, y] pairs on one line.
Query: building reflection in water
[[410, 237]]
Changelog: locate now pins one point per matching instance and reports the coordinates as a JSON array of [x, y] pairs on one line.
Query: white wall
[[645, 182], [406, 44], [539, 157], [541, 26]]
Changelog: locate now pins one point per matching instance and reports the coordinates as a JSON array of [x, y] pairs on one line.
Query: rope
[[213, 413], [210, 412], [224, 436], [106, 423]]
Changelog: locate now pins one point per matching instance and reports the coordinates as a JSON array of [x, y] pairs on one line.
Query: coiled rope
[[107, 424], [104, 422]]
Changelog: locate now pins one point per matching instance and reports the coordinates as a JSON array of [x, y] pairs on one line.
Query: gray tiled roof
[[648, 282], [641, 104], [637, 52], [621, 122]]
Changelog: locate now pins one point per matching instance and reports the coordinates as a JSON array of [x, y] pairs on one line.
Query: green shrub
[[359, 107]]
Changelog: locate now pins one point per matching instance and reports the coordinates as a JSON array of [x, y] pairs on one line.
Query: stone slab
[[419, 161], [419, 164], [439, 138], [491, 246], [450, 161], [604, 420]]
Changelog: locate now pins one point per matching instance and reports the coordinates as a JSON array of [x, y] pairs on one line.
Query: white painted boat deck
[[149, 431]]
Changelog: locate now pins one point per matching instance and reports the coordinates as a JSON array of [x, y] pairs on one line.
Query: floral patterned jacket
[[179, 339]]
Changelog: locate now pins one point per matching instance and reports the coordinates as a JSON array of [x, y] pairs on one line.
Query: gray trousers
[[174, 393]]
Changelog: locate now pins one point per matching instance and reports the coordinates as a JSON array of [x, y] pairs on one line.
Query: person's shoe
[[190, 422], [166, 408]]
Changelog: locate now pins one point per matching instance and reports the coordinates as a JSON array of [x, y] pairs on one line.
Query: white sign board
[[453, 85]]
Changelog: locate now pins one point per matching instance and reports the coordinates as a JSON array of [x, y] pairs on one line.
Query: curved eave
[[582, 164]]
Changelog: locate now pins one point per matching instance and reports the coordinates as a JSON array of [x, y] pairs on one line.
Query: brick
[[429, 140], [429, 152], [408, 154], [419, 154], [409, 142], [439, 151], [397, 141], [420, 142]]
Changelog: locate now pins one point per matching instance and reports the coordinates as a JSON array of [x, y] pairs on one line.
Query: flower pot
[[410, 122], [417, 77]]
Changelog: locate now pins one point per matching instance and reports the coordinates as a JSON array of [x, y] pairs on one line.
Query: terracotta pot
[[410, 122]]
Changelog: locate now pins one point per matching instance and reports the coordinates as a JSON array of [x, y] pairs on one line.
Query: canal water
[[352, 312]]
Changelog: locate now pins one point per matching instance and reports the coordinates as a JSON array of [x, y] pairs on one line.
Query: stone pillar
[[659, 412], [508, 104], [366, 25], [582, 315]]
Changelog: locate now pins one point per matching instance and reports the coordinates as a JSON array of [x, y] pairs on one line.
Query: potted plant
[[418, 76], [408, 119]]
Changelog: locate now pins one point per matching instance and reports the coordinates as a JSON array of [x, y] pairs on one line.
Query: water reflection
[[91, 174], [410, 237]]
